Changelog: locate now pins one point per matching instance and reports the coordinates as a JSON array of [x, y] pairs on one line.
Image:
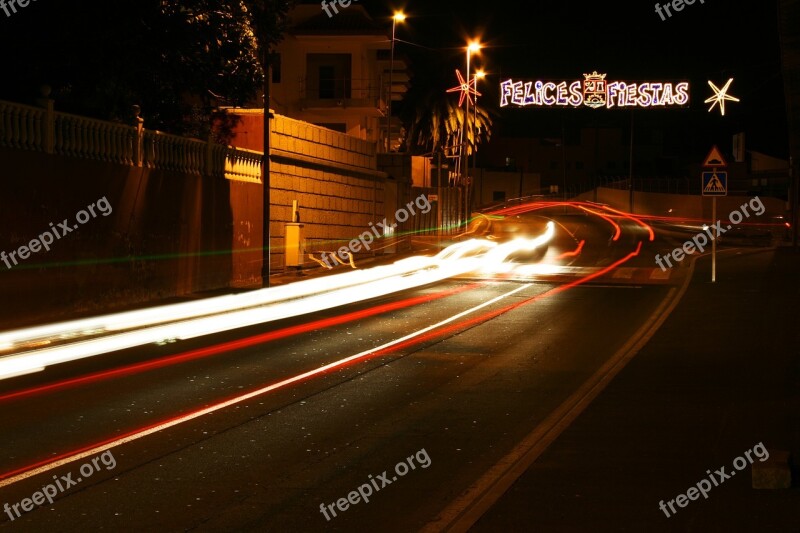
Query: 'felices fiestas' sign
[[594, 91]]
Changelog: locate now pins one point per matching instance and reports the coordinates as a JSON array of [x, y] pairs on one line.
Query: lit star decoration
[[720, 95], [466, 88]]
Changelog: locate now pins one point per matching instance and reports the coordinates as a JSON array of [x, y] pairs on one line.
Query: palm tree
[[434, 122], [437, 122]]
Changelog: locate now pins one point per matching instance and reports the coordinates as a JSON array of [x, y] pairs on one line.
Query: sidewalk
[[721, 375]]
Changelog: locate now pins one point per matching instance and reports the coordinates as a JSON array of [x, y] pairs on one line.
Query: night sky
[[558, 40], [627, 40]]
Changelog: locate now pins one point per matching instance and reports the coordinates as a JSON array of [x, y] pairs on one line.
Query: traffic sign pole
[[714, 240], [717, 185]]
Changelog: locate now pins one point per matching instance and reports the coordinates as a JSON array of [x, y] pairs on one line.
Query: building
[[334, 71]]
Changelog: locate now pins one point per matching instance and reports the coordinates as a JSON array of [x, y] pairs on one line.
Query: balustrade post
[[209, 168], [138, 141], [49, 126]]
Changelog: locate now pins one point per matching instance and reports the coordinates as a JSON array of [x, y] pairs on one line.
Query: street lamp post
[[265, 175], [398, 17], [473, 46], [479, 75]]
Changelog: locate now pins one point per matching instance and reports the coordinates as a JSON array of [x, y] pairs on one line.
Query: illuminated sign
[[593, 91]]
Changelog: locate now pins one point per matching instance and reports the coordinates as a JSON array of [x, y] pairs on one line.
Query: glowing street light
[[398, 17], [472, 47], [479, 75]]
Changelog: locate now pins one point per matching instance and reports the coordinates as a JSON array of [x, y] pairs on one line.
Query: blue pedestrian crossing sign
[[715, 183]]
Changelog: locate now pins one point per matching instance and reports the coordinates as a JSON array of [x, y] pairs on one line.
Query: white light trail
[[215, 315]]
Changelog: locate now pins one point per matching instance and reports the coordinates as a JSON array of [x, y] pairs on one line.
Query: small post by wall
[[49, 126], [138, 141]]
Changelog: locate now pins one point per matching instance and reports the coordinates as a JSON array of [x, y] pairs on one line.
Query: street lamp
[[399, 16], [472, 47], [479, 75]]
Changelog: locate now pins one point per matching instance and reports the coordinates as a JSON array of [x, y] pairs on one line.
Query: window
[[276, 68], [498, 196], [578, 165], [327, 82], [328, 76], [553, 165]]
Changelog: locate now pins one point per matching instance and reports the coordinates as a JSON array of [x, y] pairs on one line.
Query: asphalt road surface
[[273, 427]]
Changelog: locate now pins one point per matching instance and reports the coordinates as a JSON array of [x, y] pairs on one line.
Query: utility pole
[[630, 167], [439, 202], [266, 199], [563, 160], [794, 188]]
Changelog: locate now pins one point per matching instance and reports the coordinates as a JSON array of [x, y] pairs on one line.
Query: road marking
[[467, 509], [658, 273], [44, 466], [624, 273], [610, 287]]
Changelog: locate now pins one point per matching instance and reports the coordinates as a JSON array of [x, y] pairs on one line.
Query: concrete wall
[[173, 233], [680, 205], [515, 184], [332, 175], [168, 234]]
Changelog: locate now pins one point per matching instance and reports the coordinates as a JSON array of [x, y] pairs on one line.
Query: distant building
[[588, 157], [592, 157], [333, 71]]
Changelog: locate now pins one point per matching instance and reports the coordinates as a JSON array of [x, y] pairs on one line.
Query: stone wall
[[168, 234], [332, 176]]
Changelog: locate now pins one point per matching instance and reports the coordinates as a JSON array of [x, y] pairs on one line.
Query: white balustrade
[[27, 128]]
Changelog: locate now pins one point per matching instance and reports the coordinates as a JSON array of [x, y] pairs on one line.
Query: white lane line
[[467, 508], [244, 397]]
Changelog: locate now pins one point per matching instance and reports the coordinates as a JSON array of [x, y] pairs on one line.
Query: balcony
[[330, 93]]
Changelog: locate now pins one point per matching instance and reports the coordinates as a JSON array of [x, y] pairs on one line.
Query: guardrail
[[41, 129]]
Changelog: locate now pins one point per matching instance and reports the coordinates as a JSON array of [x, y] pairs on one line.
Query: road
[[267, 427]]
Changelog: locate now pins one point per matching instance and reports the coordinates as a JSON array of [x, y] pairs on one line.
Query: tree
[[436, 124], [177, 59]]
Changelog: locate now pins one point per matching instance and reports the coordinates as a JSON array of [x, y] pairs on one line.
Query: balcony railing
[[44, 130], [346, 92]]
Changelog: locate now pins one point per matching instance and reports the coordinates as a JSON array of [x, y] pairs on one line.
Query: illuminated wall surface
[[594, 91]]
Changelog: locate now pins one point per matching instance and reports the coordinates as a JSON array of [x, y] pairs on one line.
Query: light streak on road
[[293, 300], [583, 206], [437, 330], [495, 260], [238, 344], [575, 253], [19, 474], [636, 219], [208, 306]]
